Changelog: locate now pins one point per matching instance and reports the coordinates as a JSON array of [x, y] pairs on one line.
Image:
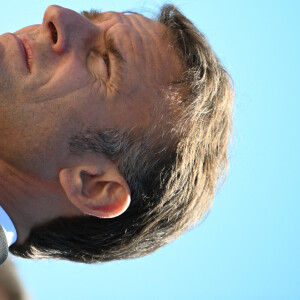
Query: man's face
[[69, 74]]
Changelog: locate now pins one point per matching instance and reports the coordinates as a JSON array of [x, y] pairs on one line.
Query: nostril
[[53, 32]]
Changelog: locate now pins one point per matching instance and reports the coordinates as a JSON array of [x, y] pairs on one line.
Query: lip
[[26, 49]]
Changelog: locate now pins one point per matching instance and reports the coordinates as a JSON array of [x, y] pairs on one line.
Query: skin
[[63, 87], [3, 295]]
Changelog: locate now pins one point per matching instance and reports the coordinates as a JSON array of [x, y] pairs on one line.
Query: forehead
[[129, 22], [126, 18]]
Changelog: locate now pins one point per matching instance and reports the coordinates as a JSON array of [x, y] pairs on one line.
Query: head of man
[[116, 129]]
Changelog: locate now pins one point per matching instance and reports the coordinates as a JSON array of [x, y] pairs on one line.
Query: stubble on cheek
[[10, 80]]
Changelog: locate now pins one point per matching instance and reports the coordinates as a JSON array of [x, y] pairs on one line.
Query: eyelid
[[112, 48], [116, 59]]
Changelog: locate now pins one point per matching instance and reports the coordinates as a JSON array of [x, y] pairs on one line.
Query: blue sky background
[[248, 247]]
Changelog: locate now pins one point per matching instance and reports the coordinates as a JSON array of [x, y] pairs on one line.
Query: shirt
[[8, 227]]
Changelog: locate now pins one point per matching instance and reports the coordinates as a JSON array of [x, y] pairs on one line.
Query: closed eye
[[107, 62]]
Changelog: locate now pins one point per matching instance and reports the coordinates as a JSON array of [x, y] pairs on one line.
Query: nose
[[68, 30]]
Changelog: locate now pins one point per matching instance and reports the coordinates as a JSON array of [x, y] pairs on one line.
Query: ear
[[98, 191]]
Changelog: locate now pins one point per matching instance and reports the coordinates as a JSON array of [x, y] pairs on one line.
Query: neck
[[30, 201]]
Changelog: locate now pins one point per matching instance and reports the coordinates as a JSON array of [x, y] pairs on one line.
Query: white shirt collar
[[8, 227]]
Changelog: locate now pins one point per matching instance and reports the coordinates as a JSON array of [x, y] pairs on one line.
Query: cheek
[[131, 113], [64, 81], [68, 79]]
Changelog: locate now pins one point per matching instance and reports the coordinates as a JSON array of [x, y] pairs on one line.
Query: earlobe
[[101, 194]]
